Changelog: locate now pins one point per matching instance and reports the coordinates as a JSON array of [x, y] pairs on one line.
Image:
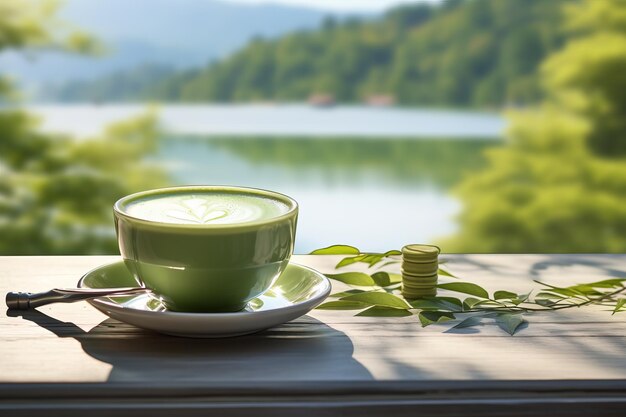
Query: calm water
[[376, 194], [373, 178], [281, 120]]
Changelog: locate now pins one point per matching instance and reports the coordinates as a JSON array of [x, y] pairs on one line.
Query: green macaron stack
[[419, 270]]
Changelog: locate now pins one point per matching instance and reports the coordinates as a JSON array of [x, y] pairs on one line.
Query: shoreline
[[276, 120]]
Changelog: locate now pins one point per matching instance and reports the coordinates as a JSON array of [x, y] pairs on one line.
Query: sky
[[339, 5]]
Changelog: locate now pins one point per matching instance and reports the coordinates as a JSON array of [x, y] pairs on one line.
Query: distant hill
[[457, 53], [176, 33], [121, 85]]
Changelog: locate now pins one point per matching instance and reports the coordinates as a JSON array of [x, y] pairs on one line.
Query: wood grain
[[67, 358]]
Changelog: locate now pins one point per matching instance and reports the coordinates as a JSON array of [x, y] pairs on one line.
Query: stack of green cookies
[[419, 270]]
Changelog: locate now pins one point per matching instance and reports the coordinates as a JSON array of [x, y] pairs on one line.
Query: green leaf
[[346, 293], [548, 294], [504, 295], [449, 303], [381, 299], [470, 302], [377, 311], [585, 289], [337, 250], [430, 317], [469, 322], [395, 278], [373, 258], [465, 288], [569, 292], [608, 283], [425, 304], [620, 303], [390, 263], [445, 273], [385, 279], [438, 303], [353, 278], [349, 261], [545, 302], [509, 322], [343, 305], [381, 278], [368, 258], [520, 299], [487, 303]]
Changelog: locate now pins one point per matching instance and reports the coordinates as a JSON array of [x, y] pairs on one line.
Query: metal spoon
[[26, 300]]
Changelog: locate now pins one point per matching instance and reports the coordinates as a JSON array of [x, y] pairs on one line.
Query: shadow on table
[[305, 349], [589, 261]]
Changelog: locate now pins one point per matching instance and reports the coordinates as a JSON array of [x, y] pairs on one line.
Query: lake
[[376, 178], [281, 120]]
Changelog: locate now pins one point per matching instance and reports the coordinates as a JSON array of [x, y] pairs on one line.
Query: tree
[[56, 193], [559, 184], [461, 53]]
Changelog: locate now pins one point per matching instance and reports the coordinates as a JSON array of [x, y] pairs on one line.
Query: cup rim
[[293, 207]]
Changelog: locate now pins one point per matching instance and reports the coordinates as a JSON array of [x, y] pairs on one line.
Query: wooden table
[[69, 359]]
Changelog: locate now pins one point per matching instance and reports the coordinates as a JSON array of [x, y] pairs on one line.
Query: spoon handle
[[26, 300]]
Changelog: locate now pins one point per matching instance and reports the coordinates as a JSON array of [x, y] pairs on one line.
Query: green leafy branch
[[378, 295], [371, 259]]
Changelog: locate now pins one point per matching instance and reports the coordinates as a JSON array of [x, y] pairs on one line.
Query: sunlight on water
[[376, 178]]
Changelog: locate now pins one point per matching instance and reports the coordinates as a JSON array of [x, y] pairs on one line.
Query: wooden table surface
[[67, 359]]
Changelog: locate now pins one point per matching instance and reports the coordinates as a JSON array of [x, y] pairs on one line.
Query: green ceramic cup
[[206, 267]]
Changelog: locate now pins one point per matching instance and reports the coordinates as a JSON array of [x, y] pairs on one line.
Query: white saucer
[[297, 291]]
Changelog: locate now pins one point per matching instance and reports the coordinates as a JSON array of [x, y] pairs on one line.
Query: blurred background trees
[[56, 191], [557, 69], [461, 54], [559, 185]]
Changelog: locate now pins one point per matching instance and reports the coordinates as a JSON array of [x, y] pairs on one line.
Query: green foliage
[[357, 257], [56, 192], [438, 303], [589, 77], [354, 278], [504, 295], [26, 24], [506, 309], [381, 299], [619, 306], [336, 250], [32, 24], [480, 52], [380, 278], [560, 183], [465, 288], [433, 317], [385, 279]]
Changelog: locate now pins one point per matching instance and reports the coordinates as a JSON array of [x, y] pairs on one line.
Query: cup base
[[225, 309], [205, 290]]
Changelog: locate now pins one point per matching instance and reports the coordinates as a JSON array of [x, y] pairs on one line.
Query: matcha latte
[[206, 208], [206, 248]]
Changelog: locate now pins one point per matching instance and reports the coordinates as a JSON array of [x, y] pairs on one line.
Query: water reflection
[[374, 193], [411, 163]]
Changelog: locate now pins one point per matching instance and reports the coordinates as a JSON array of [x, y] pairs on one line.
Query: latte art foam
[[209, 208]]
